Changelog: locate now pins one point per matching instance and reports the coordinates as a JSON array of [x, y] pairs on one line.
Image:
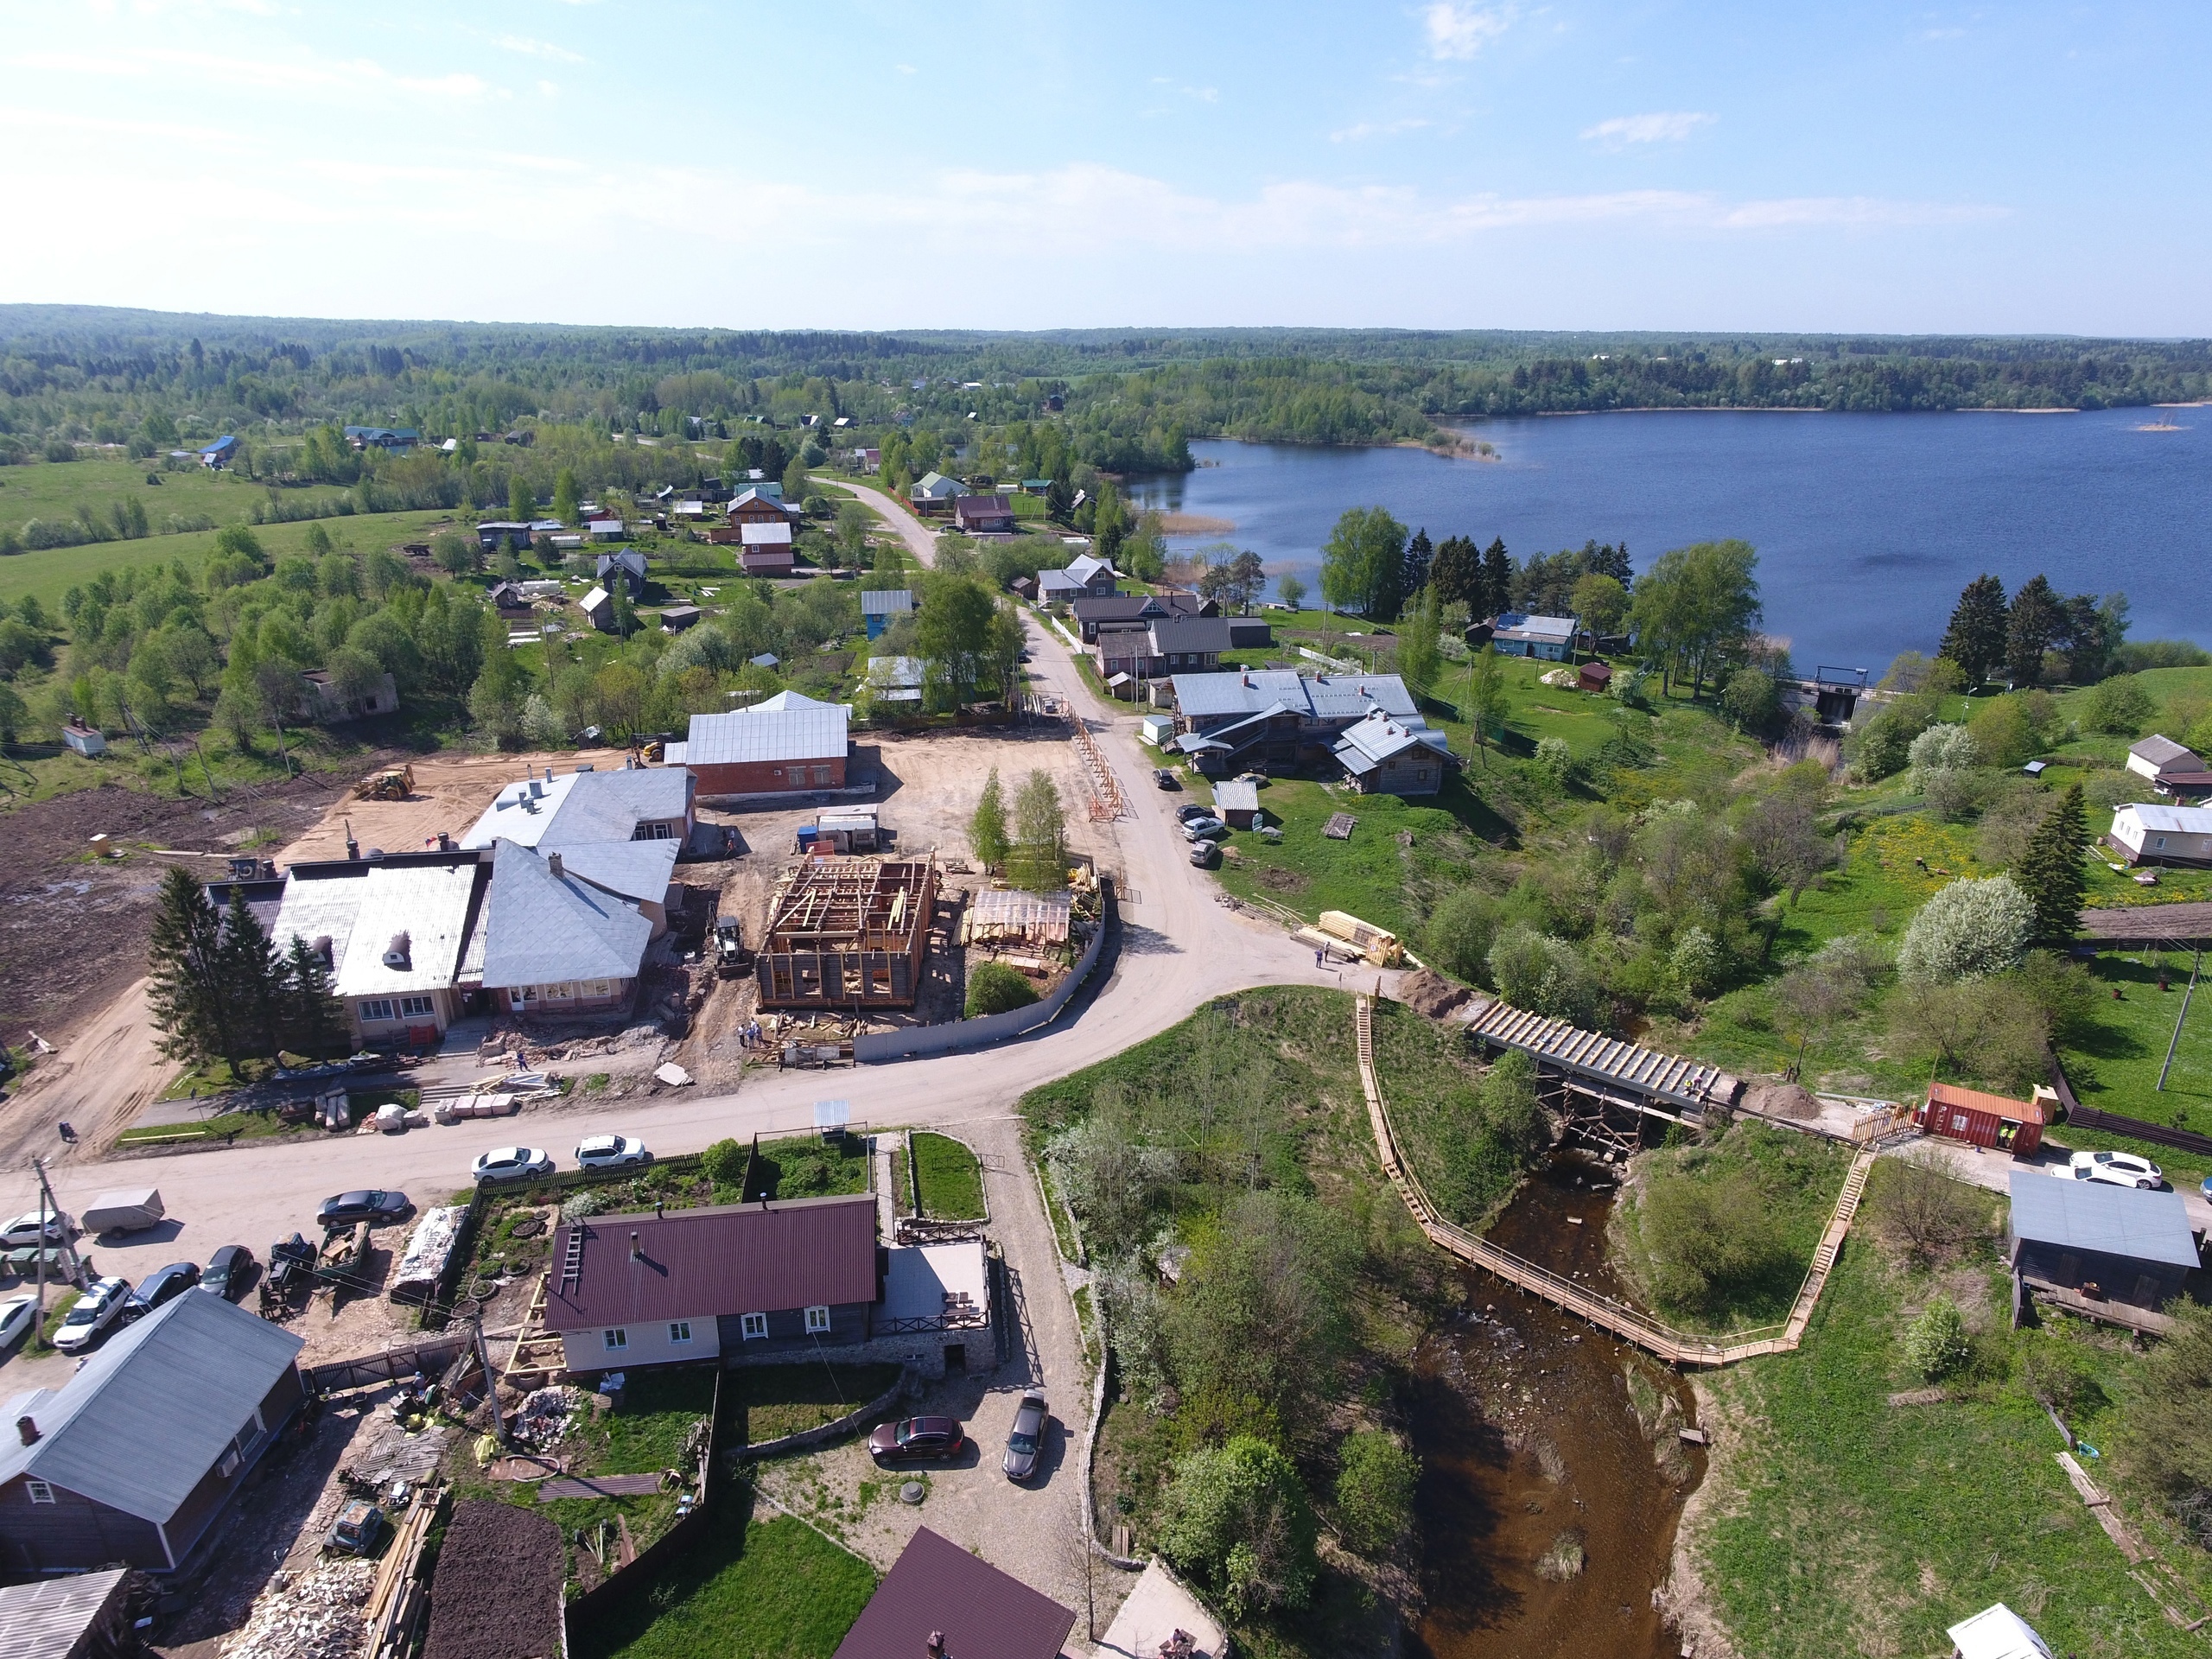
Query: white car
[[2120, 1169], [611, 1152], [17, 1314], [92, 1314], [23, 1230], [512, 1163]]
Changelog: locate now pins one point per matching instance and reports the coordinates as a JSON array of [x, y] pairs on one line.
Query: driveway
[[1985, 1166]]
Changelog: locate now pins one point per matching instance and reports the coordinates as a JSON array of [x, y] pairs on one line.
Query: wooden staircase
[[1630, 1324]]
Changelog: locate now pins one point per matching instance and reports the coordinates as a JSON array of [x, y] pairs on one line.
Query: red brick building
[[787, 745]]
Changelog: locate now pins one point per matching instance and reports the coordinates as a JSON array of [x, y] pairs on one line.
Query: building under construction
[[848, 933]]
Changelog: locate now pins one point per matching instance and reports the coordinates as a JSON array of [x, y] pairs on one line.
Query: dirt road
[[920, 539]]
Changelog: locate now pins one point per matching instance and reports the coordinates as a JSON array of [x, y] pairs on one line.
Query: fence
[[673, 1542], [427, 1358], [918, 1042]]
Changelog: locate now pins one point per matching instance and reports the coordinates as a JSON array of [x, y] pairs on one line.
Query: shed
[[1155, 730], [597, 606], [675, 619], [939, 1598], [1237, 801], [87, 1616], [2120, 1243], [2159, 753], [83, 738], [2013, 1126], [1595, 676], [1996, 1632]]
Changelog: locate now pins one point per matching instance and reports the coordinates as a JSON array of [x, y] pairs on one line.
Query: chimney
[[936, 1644], [553, 864], [353, 847], [28, 1430], [398, 952], [637, 1251], [549, 774]]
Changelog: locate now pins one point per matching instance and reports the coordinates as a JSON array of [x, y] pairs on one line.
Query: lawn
[[808, 1166], [653, 1414], [243, 1126], [951, 1180], [767, 1402], [1430, 1093], [1841, 1523], [2114, 1063], [759, 1590]]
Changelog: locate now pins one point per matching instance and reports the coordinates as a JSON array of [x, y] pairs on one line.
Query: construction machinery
[[729, 947], [392, 784]]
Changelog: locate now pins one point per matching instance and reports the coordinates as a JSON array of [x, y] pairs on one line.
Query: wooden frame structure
[[1605, 1090], [848, 933]]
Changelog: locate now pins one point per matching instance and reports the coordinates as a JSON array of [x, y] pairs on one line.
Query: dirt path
[[105, 1075], [920, 540]]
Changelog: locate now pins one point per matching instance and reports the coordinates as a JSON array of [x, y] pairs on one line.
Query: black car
[[228, 1272], [165, 1286], [1165, 779], [1025, 1443], [1190, 810], [374, 1206]]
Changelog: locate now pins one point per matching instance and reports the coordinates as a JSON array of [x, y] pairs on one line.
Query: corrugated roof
[[1315, 697], [430, 903], [2022, 1111], [1237, 795], [1369, 742], [937, 1587], [321, 903], [140, 1426], [779, 534], [2172, 819], [2097, 1215], [48, 1619], [893, 602], [542, 929], [1535, 627], [2161, 751], [1996, 1632], [764, 734], [722, 1260]]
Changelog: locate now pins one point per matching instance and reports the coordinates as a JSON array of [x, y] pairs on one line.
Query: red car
[[912, 1440]]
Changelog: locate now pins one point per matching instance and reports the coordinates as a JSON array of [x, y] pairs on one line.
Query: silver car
[[1025, 1442]]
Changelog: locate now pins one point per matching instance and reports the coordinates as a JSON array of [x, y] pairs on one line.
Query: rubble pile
[[541, 1418], [316, 1615]]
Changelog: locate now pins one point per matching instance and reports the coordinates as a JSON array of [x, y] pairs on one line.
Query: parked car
[[1204, 830], [228, 1272], [164, 1285], [17, 1315], [1190, 810], [357, 1528], [1165, 779], [611, 1152], [92, 1314], [912, 1440], [374, 1206], [2118, 1168], [23, 1231], [512, 1163], [1025, 1442], [1205, 855]]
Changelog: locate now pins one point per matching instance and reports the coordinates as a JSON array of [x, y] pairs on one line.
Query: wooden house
[[2013, 1126], [2107, 1243]]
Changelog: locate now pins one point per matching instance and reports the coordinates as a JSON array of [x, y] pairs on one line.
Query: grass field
[[775, 1589], [951, 1180], [807, 1167], [767, 1402], [653, 1414], [1843, 1524]]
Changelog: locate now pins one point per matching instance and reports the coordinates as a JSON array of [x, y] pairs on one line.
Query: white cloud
[[905, 69], [1360, 130], [1661, 126], [1457, 31], [536, 48]]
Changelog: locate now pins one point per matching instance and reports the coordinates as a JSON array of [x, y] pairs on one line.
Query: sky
[[2004, 168]]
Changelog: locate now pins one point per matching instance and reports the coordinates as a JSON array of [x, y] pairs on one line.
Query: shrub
[[1236, 1517], [1375, 1492], [1556, 761], [2166, 1424], [994, 987], [2120, 706], [1944, 748], [2014, 728], [1970, 930], [1460, 933], [1696, 961], [1921, 1210], [1706, 1236], [59, 450], [1750, 700], [1951, 794], [1546, 975], [1936, 1344], [724, 1162]]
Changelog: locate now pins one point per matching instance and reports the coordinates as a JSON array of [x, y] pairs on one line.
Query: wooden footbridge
[[1630, 1324]]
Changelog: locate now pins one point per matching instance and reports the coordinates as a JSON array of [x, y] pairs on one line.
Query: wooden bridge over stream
[[1629, 1323]]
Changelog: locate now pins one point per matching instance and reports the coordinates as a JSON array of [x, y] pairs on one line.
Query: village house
[[323, 701], [565, 932], [2110, 1244], [763, 1283], [2156, 754], [1093, 611], [656, 804], [934, 492], [604, 530], [781, 745], [625, 565], [983, 515], [493, 534], [2151, 832], [1084, 576], [1277, 717], [509, 601], [1548, 637], [766, 550], [1237, 803], [392, 440], [1131, 655], [219, 453], [895, 680], [134, 1460], [393, 930], [866, 460], [675, 619], [1382, 756], [940, 1601], [880, 610], [762, 504]]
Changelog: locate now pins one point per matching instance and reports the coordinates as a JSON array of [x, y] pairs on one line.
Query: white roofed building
[[2152, 832]]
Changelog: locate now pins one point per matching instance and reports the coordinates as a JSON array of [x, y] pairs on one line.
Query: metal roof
[[1237, 795], [636, 869], [937, 1587], [140, 1426], [755, 1258], [430, 903], [1315, 697], [1553, 1042], [892, 601], [2172, 820], [321, 904], [2096, 1215], [765, 535], [48, 1620], [578, 808], [2161, 751], [542, 928], [1535, 627], [763, 733], [1377, 738]]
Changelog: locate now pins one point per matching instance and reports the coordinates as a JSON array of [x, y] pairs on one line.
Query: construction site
[[848, 933]]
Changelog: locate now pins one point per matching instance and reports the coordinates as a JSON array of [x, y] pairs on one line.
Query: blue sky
[[876, 163]]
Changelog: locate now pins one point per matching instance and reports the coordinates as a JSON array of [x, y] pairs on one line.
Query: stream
[[1553, 1477]]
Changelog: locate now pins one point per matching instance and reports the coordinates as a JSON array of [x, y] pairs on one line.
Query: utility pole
[[46, 1207], [491, 1382], [2195, 969]]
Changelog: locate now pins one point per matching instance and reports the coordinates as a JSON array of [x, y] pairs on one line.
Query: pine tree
[[1457, 573], [2050, 870], [1975, 639], [185, 965], [252, 979], [2035, 622], [314, 1023], [1497, 579], [987, 834], [1420, 557]]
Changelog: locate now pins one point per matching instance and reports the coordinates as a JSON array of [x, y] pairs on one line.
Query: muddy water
[[1533, 1440]]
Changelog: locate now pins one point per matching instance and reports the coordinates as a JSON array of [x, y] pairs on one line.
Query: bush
[[1556, 761], [1921, 1210], [1494, 1138], [994, 987], [1970, 930], [59, 450], [724, 1162], [1951, 795], [1236, 1518], [1460, 933], [1544, 975], [1936, 1344], [1697, 961], [1375, 1492], [1707, 1236], [1944, 748], [2120, 706], [2015, 728], [1750, 700]]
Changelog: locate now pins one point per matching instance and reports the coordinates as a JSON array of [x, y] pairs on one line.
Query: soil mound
[[1430, 993], [1782, 1100]]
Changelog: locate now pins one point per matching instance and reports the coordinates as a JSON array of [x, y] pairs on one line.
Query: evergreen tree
[[566, 497], [2051, 872], [2035, 622], [1603, 559], [185, 965], [1420, 555], [986, 833], [314, 1023], [1975, 639], [1457, 574], [252, 978], [1497, 579], [2085, 636]]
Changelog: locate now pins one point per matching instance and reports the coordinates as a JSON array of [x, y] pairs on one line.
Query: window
[[818, 1321], [519, 997], [38, 1491], [822, 776], [375, 1008], [753, 1326], [616, 1339], [653, 832], [679, 1330], [417, 1007]]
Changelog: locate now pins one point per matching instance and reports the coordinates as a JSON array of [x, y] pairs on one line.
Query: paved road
[[1180, 947], [920, 539]]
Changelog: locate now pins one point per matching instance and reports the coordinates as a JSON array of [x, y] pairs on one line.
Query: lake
[[1867, 525]]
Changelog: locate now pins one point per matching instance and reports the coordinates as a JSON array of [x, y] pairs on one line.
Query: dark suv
[[915, 1440]]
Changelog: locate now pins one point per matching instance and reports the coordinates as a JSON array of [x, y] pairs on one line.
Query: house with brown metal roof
[[940, 1602]]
